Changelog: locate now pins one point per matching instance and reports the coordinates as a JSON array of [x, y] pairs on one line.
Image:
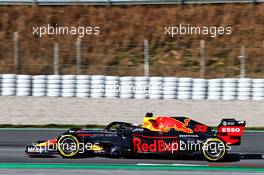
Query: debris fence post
[[56, 59], [202, 58], [16, 52], [146, 58], [263, 55], [78, 56], [242, 62]]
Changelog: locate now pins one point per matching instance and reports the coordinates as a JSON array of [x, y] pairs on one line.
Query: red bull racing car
[[159, 135]]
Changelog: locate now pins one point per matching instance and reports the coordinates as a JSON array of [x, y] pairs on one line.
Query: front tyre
[[214, 150], [68, 146]]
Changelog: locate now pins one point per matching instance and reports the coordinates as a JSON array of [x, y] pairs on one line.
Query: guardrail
[[100, 86], [119, 2]]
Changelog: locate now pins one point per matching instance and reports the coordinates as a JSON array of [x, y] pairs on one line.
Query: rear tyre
[[68, 146], [214, 150]]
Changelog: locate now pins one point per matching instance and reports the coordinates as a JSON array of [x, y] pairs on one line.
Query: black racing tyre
[[116, 154], [68, 146], [214, 150]]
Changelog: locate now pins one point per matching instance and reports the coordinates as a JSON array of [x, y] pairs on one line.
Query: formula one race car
[[159, 135]]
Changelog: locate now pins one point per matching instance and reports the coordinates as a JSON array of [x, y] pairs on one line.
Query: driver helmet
[[149, 116]]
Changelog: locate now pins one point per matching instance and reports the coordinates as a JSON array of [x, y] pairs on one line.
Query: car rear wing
[[231, 131]]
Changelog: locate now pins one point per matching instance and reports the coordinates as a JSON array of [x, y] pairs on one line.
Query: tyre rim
[[68, 146], [213, 150]]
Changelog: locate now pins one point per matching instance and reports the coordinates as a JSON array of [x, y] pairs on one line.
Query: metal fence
[[119, 2], [202, 59]]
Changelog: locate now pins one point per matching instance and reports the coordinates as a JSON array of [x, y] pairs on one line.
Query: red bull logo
[[165, 124]]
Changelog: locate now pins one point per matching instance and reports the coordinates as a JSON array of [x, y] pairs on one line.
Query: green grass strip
[[128, 167]]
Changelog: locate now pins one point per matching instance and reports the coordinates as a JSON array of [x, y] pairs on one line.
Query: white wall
[[100, 86], [72, 110]]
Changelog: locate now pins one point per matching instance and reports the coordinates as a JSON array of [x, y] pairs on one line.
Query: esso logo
[[230, 129]]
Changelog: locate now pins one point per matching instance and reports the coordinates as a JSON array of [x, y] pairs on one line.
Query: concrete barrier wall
[[59, 110]]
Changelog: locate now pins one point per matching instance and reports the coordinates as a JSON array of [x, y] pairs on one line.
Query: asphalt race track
[[13, 143]]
